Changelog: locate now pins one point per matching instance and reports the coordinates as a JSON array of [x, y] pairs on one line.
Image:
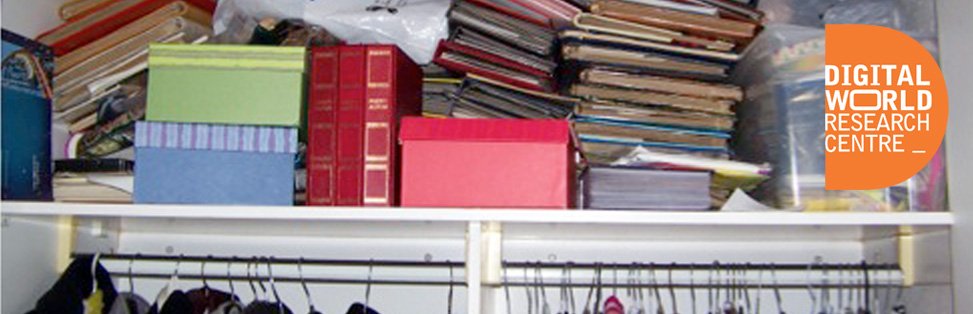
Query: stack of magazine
[[652, 74]]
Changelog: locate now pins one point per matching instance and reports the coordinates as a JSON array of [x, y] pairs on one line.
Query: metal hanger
[[571, 287], [307, 292], [591, 291], [672, 291], [530, 295], [131, 279], [368, 286], [692, 287], [760, 289], [746, 287], [729, 306], [545, 307], [887, 299], [810, 288], [506, 286], [449, 298], [659, 307], [899, 307], [273, 285], [94, 273], [260, 281], [773, 274], [202, 276], [562, 307], [253, 289], [710, 302], [233, 296]]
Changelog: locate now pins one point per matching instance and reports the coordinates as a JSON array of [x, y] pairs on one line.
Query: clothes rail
[[308, 280], [274, 260], [721, 266]]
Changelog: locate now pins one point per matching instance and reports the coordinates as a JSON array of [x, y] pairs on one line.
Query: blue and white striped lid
[[240, 138]]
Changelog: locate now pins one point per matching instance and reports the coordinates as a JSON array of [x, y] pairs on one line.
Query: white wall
[[30, 17], [956, 47], [28, 263]]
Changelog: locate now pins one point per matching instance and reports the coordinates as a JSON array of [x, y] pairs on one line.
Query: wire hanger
[[131, 279], [273, 285], [710, 303], [307, 292], [760, 289], [253, 289], [773, 274], [746, 287], [659, 307], [449, 300], [672, 291], [692, 287], [530, 296], [546, 309], [368, 286], [810, 289], [506, 286]]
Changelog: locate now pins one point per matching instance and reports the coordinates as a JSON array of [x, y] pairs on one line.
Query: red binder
[[351, 126], [322, 125], [393, 89], [102, 20]]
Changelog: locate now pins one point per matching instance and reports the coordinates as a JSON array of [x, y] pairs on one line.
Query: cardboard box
[[180, 163], [226, 84], [487, 163]]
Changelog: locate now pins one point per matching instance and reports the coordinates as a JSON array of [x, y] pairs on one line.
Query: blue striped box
[[182, 163]]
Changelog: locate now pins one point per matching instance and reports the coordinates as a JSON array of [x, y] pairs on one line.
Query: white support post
[[473, 267]]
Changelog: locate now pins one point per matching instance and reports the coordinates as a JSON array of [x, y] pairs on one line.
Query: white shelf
[[486, 215]]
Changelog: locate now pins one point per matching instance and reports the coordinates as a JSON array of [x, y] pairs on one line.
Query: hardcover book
[[26, 113]]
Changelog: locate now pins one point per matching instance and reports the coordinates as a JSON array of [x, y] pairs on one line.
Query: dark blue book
[[26, 118]]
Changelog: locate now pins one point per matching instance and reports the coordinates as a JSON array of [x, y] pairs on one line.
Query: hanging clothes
[[206, 299], [359, 308], [130, 303], [72, 293], [177, 303], [266, 307]]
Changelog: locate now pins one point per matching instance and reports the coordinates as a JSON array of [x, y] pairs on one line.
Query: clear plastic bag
[[781, 121], [416, 26]]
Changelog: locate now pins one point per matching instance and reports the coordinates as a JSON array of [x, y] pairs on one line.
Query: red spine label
[[379, 122]]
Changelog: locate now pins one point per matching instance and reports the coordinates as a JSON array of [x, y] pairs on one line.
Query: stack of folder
[[101, 55], [653, 74]]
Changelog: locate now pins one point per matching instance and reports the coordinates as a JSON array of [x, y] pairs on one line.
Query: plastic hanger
[[307, 292], [94, 273]]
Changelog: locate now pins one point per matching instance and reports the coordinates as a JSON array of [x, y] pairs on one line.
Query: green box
[[226, 84]]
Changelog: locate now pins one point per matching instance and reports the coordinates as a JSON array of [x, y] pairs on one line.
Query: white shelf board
[[467, 215]]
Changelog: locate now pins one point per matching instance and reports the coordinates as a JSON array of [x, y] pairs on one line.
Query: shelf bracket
[[907, 262]]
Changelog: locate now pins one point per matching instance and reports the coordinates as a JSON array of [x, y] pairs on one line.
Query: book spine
[[351, 126], [380, 120], [322, 131], [393, 89], [105, 26]]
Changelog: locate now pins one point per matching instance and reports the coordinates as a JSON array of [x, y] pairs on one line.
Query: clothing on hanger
[[614, 306], [177, 303], [72, 292], [359, 308], [229, 307], [129, 303], [206, 299], [266, 307]]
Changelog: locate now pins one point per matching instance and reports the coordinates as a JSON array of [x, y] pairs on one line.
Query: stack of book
[[652, 74], [512, 42], [101, 56], [480, 97], [639, 188], [221, 125], [356, 97]]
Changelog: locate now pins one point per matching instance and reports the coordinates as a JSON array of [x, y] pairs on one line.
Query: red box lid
[[485, 130]]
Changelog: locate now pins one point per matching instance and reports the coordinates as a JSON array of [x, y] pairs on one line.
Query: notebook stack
[[652, 74], [356, 97], [221, 125], [101, 53], [481, 97]]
